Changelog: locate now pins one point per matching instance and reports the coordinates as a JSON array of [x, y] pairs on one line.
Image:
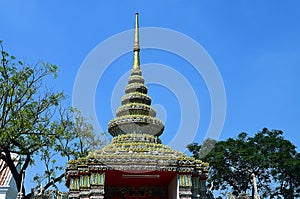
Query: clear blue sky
[[255, 45]]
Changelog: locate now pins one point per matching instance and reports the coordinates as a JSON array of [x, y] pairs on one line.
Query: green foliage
[[26, 111], [84, 132], [74, 138], [273, 159], [34, 123]]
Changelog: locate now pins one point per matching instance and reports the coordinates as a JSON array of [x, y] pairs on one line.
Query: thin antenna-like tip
[[136, 48]]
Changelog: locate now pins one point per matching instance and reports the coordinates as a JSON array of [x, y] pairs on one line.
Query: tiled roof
[[5, 174]]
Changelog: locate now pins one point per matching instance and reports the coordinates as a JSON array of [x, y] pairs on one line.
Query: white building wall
[[6, 192], [9, 190], [3, 191]]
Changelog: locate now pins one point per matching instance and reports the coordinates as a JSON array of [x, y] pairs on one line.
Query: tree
[[77, 140], [33, 121], [273, 159]]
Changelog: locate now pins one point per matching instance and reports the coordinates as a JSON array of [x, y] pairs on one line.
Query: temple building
[[136, 165]]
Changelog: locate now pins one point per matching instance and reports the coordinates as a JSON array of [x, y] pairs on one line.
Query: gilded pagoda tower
[[136, 165]]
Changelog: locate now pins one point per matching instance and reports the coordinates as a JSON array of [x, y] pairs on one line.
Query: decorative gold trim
[[139, 176]]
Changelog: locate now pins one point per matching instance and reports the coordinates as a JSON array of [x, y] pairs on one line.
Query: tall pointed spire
[[136, 115], [136, 48]]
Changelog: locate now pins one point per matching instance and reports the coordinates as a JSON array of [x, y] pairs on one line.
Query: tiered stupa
[[136, 164]]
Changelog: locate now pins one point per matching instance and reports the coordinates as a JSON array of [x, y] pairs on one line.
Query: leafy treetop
[[273, 159]]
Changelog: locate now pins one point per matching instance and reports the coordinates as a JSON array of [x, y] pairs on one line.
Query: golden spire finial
[[136, 48]]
